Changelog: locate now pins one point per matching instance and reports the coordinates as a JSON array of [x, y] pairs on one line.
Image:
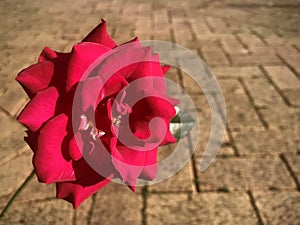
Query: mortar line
[[252, 102], [289, 168], [91, 210], [252, 202], [276, 87], [196, 182], [144, 207]]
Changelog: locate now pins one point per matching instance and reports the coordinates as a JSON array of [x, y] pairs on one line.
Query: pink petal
[[40, 109], [47, 54], [165, 69], [150, 165], [39, 76], [49, 159], [128, 162], [82, 56], [74, 147], [36, 77], [74, 193], [147, 109], [99, 35]]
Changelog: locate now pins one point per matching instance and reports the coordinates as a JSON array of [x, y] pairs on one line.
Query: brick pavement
[[254, 180]]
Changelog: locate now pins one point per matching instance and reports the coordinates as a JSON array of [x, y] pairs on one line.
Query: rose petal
[[47, 54], [147, 109], [99, 35], [165, 69], [74, 193], [74, 145], [36, 77], [82, 56], [49, 159], [150, 165], [128, 162], [39, 76], [40, 109]]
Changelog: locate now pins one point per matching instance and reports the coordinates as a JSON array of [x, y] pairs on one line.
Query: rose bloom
[[82, 148]]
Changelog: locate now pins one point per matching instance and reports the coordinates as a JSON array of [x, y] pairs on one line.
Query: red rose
[[88, 128]]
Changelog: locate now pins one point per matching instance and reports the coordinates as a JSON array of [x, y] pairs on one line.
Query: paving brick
[[13, 99], [294, 163], [263, 93], [142, 28], [277, 118], [180, 182], [240, 113], [275, 41], [217, 25], [234, 72], [173, 84], [278, 208], [263, 31], [250, 40], [81, 215], [283, 77], [161, 20], [177, 179], [190, 86], [266, 142], [116, 204], [182, 31], [204, 208], [256, 60], [292, 61], [8, 126], [254, 173], [15, 172], [199, 26], [39, 213], [215, 58], [265, 50], [293, 97], [232, 46]]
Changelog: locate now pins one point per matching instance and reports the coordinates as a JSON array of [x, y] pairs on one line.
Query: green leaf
[[181, 124]]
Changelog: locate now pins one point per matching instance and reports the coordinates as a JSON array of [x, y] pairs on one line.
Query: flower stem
[[16, 194]]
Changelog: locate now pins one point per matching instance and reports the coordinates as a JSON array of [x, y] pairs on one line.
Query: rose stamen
[[85, 124], [117, 120]]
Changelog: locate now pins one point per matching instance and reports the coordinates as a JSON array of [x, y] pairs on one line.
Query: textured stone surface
[[256, 60], [266, 142], [204, 208], [179, 182], [278, 118], [253, 173], [117, 204], [283, 77], [294, 163], [215, 57], [293, 97], [293, 61], [263, 93], [244, 71], [13, 99], [278, 207], [15, 172], [45, 212]]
